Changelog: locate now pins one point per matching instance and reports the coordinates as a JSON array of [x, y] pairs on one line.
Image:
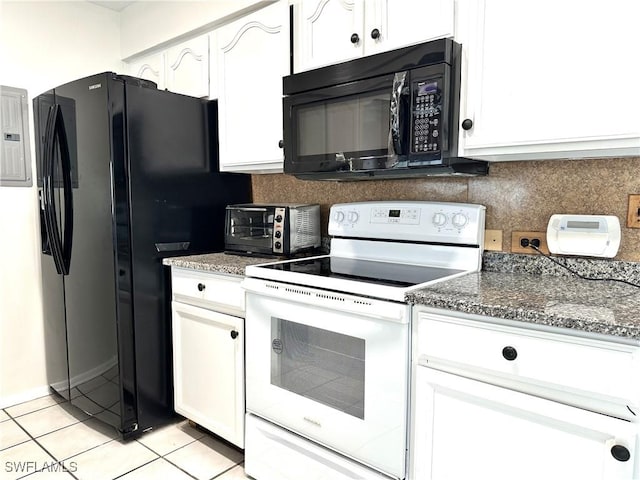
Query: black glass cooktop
[[381, 273]]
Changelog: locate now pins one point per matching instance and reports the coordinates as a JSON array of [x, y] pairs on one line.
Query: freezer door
[[90, 296], [52, 281]]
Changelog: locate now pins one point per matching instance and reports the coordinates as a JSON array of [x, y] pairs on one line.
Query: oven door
[[331, 367]]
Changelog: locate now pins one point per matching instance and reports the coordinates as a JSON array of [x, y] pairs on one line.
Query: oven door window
[[324, 366]]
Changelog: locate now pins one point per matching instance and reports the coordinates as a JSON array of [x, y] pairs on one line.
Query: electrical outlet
[[518, 238], [493, 240], [633, 212]]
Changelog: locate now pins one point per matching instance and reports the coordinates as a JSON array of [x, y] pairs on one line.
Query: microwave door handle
[[396, 114]]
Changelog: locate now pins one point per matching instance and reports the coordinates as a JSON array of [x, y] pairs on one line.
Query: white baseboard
[[37, 392], [32, 394]]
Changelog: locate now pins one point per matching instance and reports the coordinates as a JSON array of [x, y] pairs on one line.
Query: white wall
[[148, 24], [42, 45]]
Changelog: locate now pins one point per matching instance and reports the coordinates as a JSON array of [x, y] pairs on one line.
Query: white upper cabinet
[[397, 23], [188, 67], [551, 79], [150, 67], [183, 68], [332, 31], [327, 32], [252, 57]]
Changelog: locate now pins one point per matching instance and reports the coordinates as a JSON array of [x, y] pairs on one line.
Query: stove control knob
[[338, 216], [459, 220], [439, 219], [352, 217]]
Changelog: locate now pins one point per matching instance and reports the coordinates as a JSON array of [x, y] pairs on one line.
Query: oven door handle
[[398, 124]]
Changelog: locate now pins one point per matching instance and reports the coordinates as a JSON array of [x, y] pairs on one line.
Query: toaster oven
[[281, 230]]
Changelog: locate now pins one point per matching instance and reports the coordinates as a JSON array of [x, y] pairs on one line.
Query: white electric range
[[327, 339]]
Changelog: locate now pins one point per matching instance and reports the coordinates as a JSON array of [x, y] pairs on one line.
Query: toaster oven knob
[[278, 218], [278, 234], [278, 245]]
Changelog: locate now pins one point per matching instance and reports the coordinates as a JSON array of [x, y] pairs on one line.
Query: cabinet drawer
[[538, 357], [210, 290]]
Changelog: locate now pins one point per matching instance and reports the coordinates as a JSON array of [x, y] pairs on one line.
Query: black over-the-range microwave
[[390, 115]]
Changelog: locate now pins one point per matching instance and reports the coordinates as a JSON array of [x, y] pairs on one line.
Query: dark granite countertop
[[507, 289], [224, 263], [525, 288]]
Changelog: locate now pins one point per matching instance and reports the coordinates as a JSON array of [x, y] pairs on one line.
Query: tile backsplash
[[519, 196]]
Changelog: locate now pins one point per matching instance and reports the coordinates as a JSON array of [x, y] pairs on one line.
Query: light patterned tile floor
[[47, 438]]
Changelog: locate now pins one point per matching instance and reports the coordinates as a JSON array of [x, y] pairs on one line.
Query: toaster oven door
[[249, 230]]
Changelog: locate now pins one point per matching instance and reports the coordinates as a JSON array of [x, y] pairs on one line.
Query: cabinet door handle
[[281, 144], [355, 38], [234, 334], [375, 34], [201, 287], [509, 353], [467, 123], [620, 453]]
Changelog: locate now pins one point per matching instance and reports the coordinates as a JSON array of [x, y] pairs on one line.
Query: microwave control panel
[[426, 131]]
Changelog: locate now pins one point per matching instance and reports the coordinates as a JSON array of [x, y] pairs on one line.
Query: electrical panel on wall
[[15, 158]]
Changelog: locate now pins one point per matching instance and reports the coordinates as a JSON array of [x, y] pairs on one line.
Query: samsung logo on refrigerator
[[96, 86]]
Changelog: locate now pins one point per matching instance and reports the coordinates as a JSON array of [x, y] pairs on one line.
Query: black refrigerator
[[127, 175]]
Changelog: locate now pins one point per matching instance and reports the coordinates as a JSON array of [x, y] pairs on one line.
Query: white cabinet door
[[553, 79], [252, 57], [469, 429], [391, 24], [150, 67], [323, 31], [188, 67], [208, 368]]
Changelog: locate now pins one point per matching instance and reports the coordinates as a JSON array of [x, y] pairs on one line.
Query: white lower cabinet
[[208, 360], [470, 429], [493, 400]]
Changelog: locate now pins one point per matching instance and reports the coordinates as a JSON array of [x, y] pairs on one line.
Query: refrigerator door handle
[[65, 160], [48, 190]]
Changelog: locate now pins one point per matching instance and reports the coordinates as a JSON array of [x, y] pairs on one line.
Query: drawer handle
[[201, 287], [234, 334], [509, 353], [620, 453]]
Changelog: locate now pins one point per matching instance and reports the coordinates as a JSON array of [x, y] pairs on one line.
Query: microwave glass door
[[325, 366], [251, 227], [345, 127]]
